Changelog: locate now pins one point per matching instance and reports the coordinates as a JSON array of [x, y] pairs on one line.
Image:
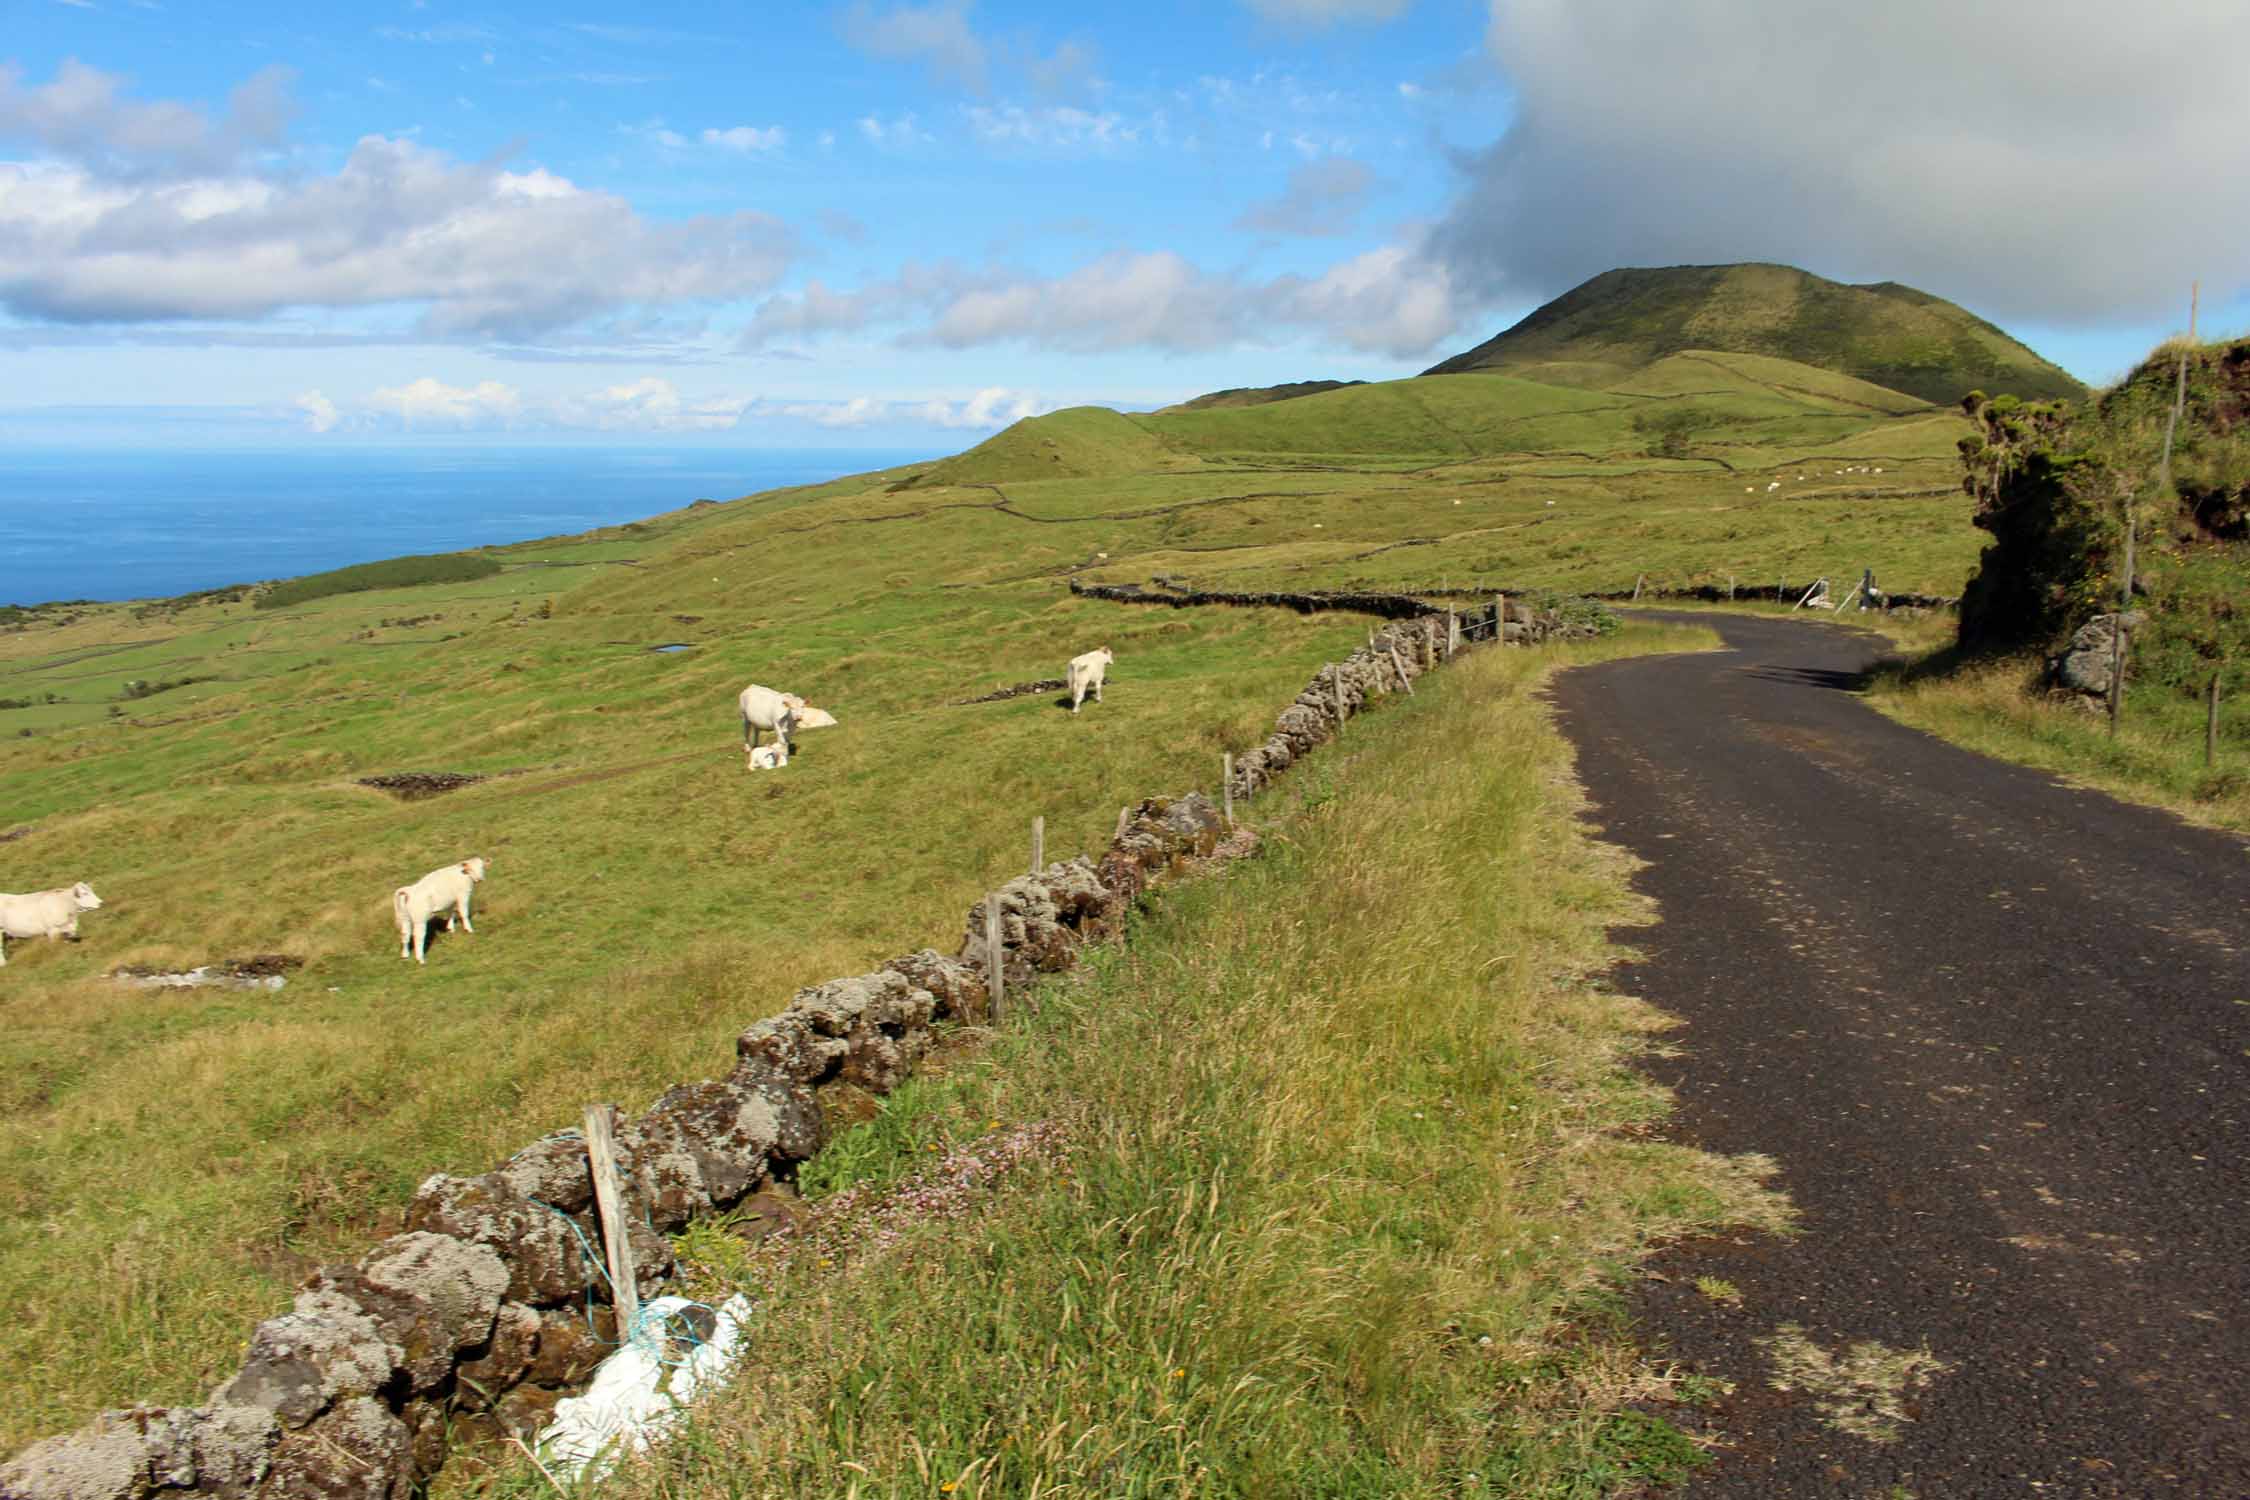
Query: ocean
[[135, 525]]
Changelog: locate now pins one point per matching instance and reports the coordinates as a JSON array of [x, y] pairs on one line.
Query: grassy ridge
[[1351, 1142]]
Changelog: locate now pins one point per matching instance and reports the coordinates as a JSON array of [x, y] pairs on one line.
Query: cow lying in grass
[[1086, 674], [47, 914], [446, 891], [769, 757]]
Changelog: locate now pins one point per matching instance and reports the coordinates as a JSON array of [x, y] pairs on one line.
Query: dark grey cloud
[[2070, 161]]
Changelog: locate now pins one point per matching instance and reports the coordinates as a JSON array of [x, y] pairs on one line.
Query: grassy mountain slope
[[179, 1158], [1886, 334], [1260, 395]]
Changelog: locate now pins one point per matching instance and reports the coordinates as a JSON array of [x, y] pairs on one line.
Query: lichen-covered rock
[[568, 1349], [1194, 822], [868, 1029], [701, 1146], [357, 1451], [800, 1131], [957, 986], [487, 1373], [137, 1452], [327, 1349], [1303, 727], [545, 1250], [2085, 664], [430, 1294], [552, 1169], [527, 1409], [1082, 902]]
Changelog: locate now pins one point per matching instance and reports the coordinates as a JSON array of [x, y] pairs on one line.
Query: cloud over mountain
[[2070, 160]]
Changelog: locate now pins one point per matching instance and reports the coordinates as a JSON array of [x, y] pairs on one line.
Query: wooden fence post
[[2211, 724], [1336, 685], [1038, 844], [1404, 681], [609, 1197], [1730, 588], [1226, 785], [995, 959], [1124, 821], [1637, 582]]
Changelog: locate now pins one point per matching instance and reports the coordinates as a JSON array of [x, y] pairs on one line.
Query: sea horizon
[[112, 525]]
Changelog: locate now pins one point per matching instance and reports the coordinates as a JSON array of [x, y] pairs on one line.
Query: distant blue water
[[135, 525]]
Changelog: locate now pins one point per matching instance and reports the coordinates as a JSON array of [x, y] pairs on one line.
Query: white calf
[[446, 891], [47, 914], [1086, 674], [769, 757], [763, 709]]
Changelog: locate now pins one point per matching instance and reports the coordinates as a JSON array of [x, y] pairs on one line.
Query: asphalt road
[[1996, 1032]]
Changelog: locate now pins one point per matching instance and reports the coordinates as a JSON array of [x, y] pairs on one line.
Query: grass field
[[1345, 1159], [175, 1159]]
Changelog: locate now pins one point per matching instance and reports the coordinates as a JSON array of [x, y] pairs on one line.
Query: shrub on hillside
[[2053, 482], [392, 573]]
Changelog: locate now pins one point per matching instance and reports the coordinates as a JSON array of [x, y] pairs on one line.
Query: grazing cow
[[445, 891], [769, 757], [47, 914], [1086, 673], [764, 709]]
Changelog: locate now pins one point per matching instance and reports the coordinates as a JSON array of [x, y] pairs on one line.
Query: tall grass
[[1353, 1151]]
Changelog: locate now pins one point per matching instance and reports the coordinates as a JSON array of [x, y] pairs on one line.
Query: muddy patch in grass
[[413, 786], [260, 971]]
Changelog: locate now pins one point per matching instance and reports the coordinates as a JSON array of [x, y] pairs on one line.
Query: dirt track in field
[[1996, 1033]]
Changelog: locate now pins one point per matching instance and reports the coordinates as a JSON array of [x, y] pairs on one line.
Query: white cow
[[47, 914], [769, 757], [445, 890], [1086, 674], [763, 709]]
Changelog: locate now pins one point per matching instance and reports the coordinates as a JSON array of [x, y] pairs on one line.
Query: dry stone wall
[[492, 1303]]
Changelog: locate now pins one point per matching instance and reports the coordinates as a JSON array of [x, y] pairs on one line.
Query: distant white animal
[[806, 715], [1086, 673], [764, 709], [769, 757], [445, 890], [1773, 486], [48, 914]]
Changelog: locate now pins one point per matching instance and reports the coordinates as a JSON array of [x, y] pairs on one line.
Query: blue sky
[[883, 224]]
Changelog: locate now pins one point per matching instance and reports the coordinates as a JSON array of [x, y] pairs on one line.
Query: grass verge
[[1342, 1155], [1995, 707]]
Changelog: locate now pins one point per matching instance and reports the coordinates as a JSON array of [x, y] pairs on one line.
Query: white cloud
[[901, 130], [1326, 12], [1323, 197], [120, 232], [747, 138], [1054, 126], [320, 412], [80, 116], [432, 403], [2067, 160], [1393, 301], [936, 35], [988, 410]]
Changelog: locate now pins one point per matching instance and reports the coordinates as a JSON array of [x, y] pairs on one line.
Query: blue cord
[[648, 1317]]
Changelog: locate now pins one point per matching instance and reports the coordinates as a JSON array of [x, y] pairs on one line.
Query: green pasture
[[178, 1158]]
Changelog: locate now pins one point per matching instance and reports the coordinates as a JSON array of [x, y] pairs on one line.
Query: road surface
[[1995, 1031]]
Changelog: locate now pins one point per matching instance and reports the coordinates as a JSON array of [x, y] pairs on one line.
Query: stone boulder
[[706, 1146], [327, 1349], [429, 1295], [139, 1452], [956, 985], [2084, 664], [545, 1249], [552, 1169], [357, 1451], [869, 1030]]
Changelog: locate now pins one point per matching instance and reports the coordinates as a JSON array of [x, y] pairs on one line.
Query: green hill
[[1883, 333], [1260, 395]]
